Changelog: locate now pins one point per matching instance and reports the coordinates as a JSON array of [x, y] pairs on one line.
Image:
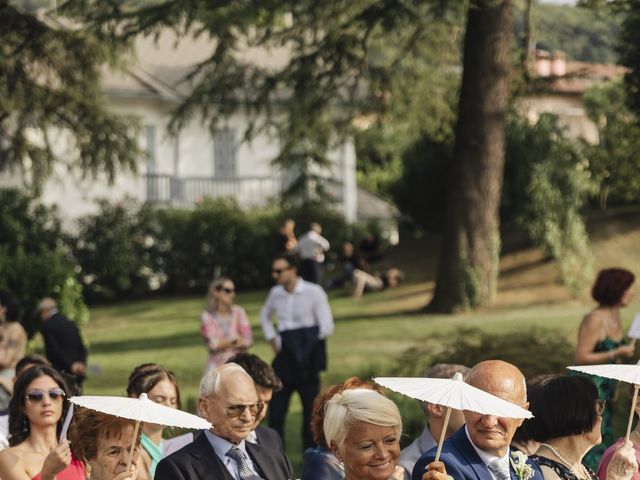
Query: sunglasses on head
[[234, 411], [37, 395], [220, 288]]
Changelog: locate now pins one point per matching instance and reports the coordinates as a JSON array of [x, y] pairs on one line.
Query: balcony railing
[[248, 191]]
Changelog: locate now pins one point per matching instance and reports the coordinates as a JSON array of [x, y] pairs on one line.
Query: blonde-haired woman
[[224, 326], [362, 428]]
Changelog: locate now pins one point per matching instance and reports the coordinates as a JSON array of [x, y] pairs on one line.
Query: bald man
[[480, 449], [62, 343]]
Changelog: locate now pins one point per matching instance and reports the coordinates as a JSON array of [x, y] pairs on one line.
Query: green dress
[[606, 391]]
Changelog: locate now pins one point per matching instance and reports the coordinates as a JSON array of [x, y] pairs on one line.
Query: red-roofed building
[[558, 87]]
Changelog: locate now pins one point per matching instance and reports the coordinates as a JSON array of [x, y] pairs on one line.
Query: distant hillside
[[584, 34]]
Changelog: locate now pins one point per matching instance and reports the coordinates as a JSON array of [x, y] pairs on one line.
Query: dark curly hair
[[146, 376], [610, 286], [19, 427], [259, 370]]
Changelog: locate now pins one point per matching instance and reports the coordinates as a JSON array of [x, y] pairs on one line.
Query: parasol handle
[[444, 432], [133, 445], [633, 409]]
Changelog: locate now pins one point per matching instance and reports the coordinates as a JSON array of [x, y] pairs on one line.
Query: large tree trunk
[[468, 270]]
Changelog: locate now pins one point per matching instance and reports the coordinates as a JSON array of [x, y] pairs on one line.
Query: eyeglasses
[[234, 411], [225, 290], [600, 406], [37, 395], [278, 271]]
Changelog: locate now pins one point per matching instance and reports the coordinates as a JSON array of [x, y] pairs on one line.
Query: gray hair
[[358, 404], [210, 383]]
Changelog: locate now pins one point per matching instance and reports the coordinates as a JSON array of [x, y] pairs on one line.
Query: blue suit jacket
[[462, 461]]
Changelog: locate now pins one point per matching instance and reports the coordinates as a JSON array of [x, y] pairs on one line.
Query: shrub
[[421, 191], [33, 262], [119, 251], [546, 184], [468, 346], [32, 277], [128, 250], [216, 238], [27, 224]]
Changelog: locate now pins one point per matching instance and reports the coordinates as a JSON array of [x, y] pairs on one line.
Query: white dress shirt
[[312, 246], [488, 458], [306, 306], [222, 446]]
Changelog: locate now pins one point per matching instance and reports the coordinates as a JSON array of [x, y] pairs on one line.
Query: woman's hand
[[132, 474], [624, 351], [623, 464], [436, 471], [57, 460]]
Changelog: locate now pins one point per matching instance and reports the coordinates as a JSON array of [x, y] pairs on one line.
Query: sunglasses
[[234, 411], [37, 395], [278, 271], [226, 290]]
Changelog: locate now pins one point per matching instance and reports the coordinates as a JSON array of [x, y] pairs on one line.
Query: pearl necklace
[[568, 464]]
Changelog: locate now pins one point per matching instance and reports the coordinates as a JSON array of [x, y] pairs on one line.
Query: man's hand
[[274, 344], [436, 471], [78, 368]]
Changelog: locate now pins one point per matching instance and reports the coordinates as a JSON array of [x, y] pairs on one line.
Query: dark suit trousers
[[308, 391]]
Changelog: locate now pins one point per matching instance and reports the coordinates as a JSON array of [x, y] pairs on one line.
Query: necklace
[[583, 473]]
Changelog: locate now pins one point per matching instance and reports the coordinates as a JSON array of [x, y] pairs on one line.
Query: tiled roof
[[579, 77]]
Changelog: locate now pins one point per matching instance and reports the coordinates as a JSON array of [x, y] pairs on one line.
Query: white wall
[[190, 154]]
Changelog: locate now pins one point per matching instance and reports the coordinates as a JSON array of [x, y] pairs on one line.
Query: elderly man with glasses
[[304, 321], [228, 399]]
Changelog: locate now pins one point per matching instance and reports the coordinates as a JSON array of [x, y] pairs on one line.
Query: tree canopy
[[50, 86]]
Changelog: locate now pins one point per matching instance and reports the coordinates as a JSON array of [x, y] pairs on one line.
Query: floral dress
[[215, 327]]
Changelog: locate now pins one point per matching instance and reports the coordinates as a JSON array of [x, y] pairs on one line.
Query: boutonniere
[[523, 470]]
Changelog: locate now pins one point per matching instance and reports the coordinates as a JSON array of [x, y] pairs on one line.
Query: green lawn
[[370, 332]]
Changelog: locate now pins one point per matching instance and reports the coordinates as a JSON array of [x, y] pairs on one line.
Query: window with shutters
[[224, 153], [150, 147]]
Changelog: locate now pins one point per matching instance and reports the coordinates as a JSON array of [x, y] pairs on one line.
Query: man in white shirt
[[311, 247], [304, 321]]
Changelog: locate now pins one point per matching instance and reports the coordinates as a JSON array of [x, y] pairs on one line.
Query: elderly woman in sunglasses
[[36, 413], [224, 326]]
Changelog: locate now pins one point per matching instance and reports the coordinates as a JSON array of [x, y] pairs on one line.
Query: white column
[[349, 183]]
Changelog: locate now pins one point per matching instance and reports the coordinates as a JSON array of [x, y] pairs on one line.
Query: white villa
[[196, 163]]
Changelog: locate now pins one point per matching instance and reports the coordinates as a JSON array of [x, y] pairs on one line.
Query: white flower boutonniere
[[523, 470]]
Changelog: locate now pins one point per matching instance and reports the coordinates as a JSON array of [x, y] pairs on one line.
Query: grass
[[370, 332]]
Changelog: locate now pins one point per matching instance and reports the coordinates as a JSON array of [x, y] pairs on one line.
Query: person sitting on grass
[[363, 281]]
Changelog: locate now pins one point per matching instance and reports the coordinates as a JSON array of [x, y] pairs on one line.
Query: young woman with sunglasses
[[224, 326], [36, 413], [161, 386]]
